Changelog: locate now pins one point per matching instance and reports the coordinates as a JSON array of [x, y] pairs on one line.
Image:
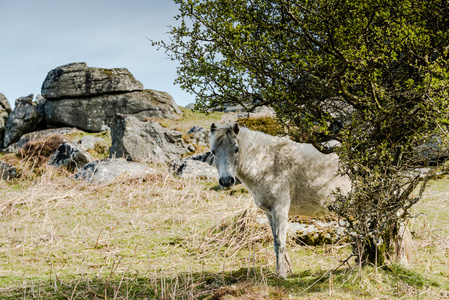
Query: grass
[[192, 118], [162, 237]]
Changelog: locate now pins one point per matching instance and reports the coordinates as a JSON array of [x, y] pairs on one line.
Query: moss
[[108, 72], [266, 125]]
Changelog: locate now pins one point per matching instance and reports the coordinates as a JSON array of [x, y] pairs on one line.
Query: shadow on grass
[[248, 283], [417, 280], [252, 283]]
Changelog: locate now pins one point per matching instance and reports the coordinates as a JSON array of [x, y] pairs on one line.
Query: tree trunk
[[379, 250], [396, 245]]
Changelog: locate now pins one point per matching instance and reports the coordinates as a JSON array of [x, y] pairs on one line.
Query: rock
[[258, 112], [331, 144], [190, 106], [106, 170], [233, 109], [40, 103], [5, 110], [69, 156], [199, 135], [206, 157], [199, 166], [89, 98], [4, 104], [2, 137], [7, 171], [196, 169], [87, 142], [25, 118], [424, 172], [79, 80], [97, 113], [13, 148], [146, 141], [315, 231], [433, 150], [95, 143], [318, 232]]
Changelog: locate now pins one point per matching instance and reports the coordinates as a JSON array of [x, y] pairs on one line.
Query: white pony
[[284, 177]]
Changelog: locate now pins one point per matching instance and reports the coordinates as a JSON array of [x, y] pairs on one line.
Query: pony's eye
[[236, 149]]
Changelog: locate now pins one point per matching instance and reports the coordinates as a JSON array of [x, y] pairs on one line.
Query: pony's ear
[[213, 127], [236, 128]]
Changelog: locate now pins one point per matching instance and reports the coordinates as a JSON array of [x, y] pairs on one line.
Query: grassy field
[[161, 237]]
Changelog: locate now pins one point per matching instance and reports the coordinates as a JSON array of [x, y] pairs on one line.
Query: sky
[[37, 36]]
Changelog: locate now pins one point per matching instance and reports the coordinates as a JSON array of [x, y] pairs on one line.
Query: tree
[[372, 74]]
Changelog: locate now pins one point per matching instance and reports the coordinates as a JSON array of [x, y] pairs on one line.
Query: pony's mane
[[222, 134]]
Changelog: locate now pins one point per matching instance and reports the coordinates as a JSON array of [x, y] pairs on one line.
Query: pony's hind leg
[[278, 218]]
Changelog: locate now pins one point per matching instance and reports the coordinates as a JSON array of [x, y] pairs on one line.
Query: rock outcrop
[[145, 141], [89, 98], [106, 170], [79, 80], [97, 113], [26, 117]]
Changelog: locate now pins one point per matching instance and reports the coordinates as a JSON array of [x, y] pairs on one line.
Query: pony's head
[[225, 148]]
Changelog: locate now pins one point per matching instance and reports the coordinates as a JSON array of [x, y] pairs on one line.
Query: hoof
[[284, 271], [284, 268], [283, 275]]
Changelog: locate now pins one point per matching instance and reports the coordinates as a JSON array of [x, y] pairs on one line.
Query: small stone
[[7, 171]]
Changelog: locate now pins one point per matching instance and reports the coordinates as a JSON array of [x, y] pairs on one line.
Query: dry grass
[[41, 149], [58, 227], [32, 158], [165, 238]]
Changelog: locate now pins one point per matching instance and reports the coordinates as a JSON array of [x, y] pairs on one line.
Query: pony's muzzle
[[226, 182]]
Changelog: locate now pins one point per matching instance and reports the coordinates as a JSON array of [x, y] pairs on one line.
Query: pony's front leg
[[278, 218]]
